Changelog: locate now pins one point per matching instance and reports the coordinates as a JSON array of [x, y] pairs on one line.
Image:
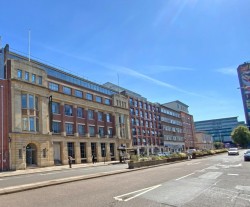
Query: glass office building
[[220, 129]]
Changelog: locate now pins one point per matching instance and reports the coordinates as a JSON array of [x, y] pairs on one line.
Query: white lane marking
[[212, 168], [240, 187], [196, 163], [232, 174], [211, 175], [142, 191], [184, 176]]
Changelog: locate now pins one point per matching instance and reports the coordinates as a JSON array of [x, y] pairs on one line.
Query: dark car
[[247, 155]]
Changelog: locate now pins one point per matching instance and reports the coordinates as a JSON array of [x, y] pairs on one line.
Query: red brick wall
[[4, 125]]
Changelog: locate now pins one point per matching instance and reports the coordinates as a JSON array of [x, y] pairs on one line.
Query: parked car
[[247, 155], [160, 154], [166, 153], [233, 151]]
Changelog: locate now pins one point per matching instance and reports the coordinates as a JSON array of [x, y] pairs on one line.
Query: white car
[[233, 151]]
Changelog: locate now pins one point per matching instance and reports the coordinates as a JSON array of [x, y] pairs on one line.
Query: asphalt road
[[221, 180]]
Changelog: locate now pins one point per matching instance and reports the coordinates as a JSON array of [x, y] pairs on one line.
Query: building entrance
[[31, 154]]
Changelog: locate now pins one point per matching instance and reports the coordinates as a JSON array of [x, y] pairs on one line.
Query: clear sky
[[165, 50]]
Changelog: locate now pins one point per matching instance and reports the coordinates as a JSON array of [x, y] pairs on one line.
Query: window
[[135, 141], [24, 101], [101, 131], [137, 122], [103, 148], [27, 76], [90, 114], [80, 112], [110, 132], [136, 112], [67, 90], [68, 110], [140, 104], [83, 150], [25, 124], [19, 74], [98, 99], [132, 112], [131, 101], [31, 101], [40, 80], [91, 131], [69, 128], [37, 124], [53, 86], [78, 93], [142, 123], [33, 78], [55, 108], [108, 118], [56, 127], [112, 149], [71, 151], [32, 124], [133, 131], [132, 121], [107, 101], [89, 96], [81, 130], [36, 102], [100, 116]]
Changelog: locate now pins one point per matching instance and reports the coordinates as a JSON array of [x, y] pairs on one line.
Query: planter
[[132, 164]]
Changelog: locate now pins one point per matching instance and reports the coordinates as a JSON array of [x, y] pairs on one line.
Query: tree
[[241, 136], [218, 145]]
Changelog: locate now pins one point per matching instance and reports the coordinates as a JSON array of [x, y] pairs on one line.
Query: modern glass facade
[[220, 129], [66, 76]]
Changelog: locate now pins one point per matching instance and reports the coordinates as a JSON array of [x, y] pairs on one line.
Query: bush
[[134, 158]]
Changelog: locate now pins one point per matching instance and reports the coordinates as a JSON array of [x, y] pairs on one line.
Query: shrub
[[134, 158]]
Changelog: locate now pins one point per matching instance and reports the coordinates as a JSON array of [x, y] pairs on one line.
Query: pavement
[[34, 169], [30, 170]]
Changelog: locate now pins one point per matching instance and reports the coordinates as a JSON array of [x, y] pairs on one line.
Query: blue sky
[[165, 50]]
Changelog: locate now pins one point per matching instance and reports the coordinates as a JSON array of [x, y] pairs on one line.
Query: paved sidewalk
[[30, 170]]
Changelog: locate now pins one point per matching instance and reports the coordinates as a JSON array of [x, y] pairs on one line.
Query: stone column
[[88, 152], [77, 152]]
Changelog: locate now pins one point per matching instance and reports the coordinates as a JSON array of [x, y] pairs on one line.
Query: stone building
[[203, 141], [53, 114]]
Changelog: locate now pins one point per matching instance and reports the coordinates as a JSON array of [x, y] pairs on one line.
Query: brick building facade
[[53, 115]]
